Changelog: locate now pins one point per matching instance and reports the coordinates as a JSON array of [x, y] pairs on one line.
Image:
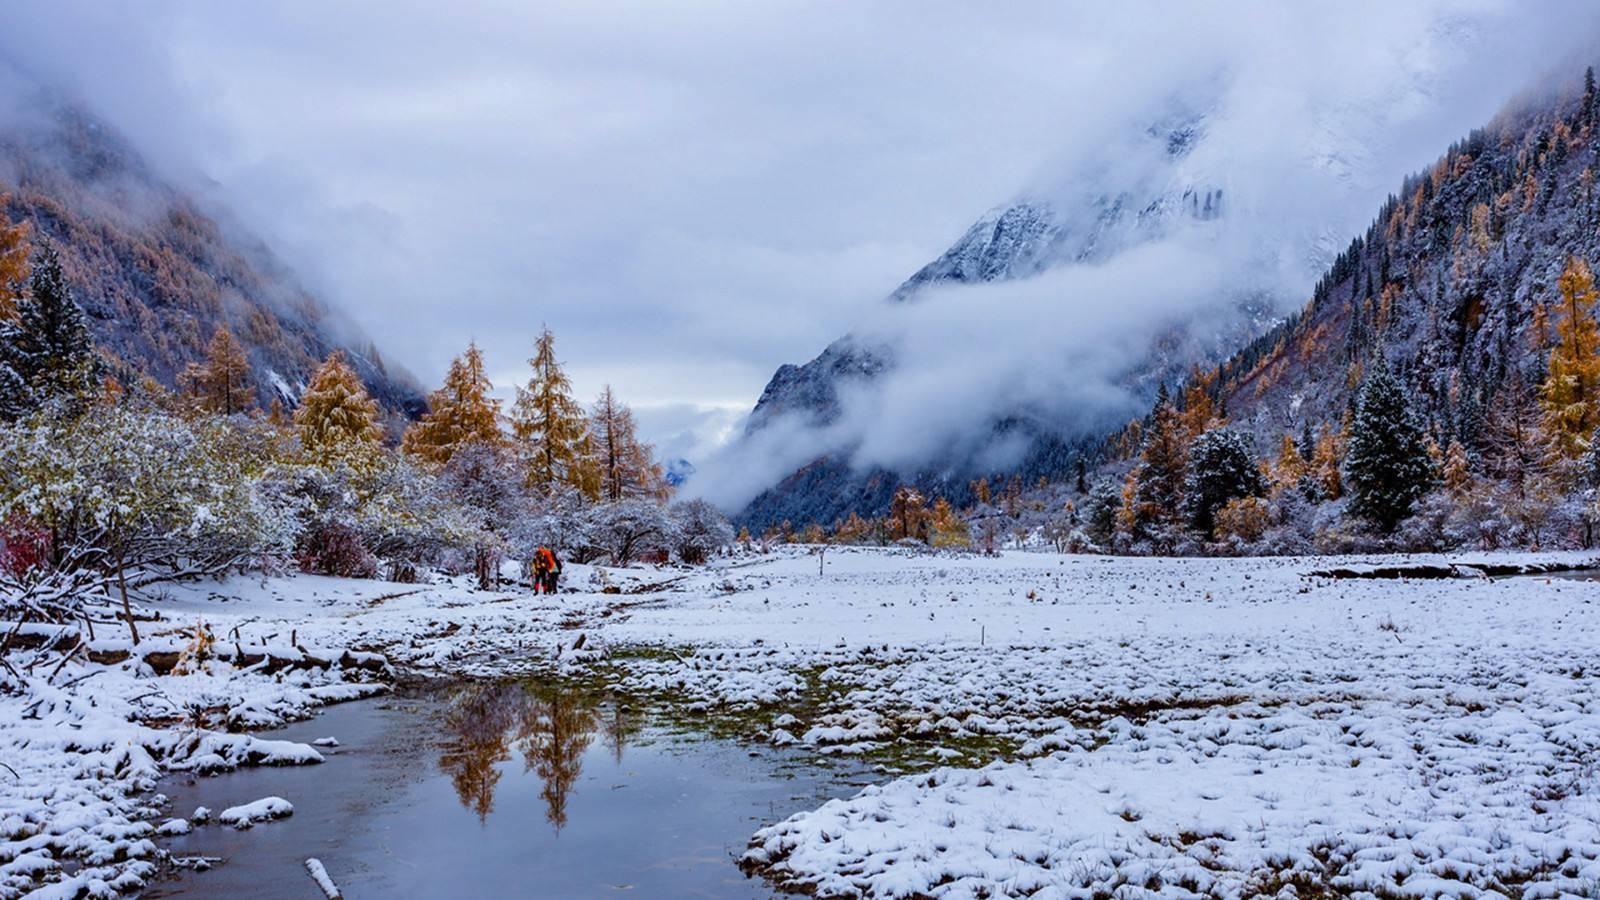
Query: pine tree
[[1155, 514], [225, 378], [48, 349], [1221, 468], [335, 414], [1387, 468], [546, 423], [1100, 512], [460, 413], [13, 262], [1586, 112], [1570, 394], [627, 466]]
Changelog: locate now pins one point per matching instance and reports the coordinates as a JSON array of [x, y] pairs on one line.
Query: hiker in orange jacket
[[551, 567], [540, 570]]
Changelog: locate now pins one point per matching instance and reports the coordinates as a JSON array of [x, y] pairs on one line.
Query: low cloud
[[691, 196]]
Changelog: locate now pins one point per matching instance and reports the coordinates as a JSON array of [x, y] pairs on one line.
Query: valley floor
[[1046, 726]]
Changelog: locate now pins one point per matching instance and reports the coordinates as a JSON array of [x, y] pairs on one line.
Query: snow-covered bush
[[703, 531], [628, 529], [335, 548], [560, 521], [160, 495]]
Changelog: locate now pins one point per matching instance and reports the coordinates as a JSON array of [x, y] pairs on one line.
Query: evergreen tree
[[1221, 468], [1100, 512], [1571, 391], [335, 413], [48, 349], [225, 378], [1469, 422], [1591, 468], [1387, 468], [1155, 514], [546, 422], [460, 413], [1587, 110]]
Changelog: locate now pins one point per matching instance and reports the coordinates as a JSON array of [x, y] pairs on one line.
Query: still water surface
[[502, 790]]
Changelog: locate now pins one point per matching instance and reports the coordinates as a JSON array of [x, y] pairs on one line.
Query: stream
[[501, 789]]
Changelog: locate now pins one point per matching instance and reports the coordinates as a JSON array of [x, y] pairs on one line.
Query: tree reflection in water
[[549, 726], [620, 728], [477, 722]]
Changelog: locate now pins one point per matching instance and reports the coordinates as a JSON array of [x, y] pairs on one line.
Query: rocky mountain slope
[[1454, 283], [157, 275]]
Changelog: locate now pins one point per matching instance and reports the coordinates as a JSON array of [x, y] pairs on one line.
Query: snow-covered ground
[[1211, 727]]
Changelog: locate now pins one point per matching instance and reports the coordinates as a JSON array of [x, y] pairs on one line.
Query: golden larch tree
[[1291, 465], [627, 465], [1572, 382], [225, 378], [1200, 412], [546, 423], [1457, 469], [336, 415], [907, 513], [460, 413], [14, 251]]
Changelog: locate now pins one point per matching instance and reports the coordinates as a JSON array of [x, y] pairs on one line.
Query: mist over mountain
[[156, 270], [1453, 285], [1183, 226]]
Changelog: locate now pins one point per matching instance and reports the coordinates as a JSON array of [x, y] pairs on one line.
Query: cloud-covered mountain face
[[158, 274], [1167, 235]]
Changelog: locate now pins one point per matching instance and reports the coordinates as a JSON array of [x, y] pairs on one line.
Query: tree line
[[114, 482]]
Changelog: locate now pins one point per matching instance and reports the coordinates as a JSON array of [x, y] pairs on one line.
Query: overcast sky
[[688, 194]]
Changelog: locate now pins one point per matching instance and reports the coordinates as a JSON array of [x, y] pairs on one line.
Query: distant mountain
[[677, 471], [1020, 240], [1154, 190], [1261, 186], [157, 275]]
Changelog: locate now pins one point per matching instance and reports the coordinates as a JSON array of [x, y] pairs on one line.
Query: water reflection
[[548, 726], [620, 727]]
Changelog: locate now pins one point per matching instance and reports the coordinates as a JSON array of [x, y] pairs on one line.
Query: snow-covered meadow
[[1046, 725]]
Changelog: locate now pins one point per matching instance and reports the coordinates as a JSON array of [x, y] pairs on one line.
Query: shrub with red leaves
[[23, 546], [335, 549]]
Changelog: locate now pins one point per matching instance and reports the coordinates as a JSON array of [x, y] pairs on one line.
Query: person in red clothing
[[550, 567], [540, 571]]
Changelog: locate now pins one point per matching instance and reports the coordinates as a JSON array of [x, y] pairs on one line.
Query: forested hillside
[[1458, 328], [158, 277]]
